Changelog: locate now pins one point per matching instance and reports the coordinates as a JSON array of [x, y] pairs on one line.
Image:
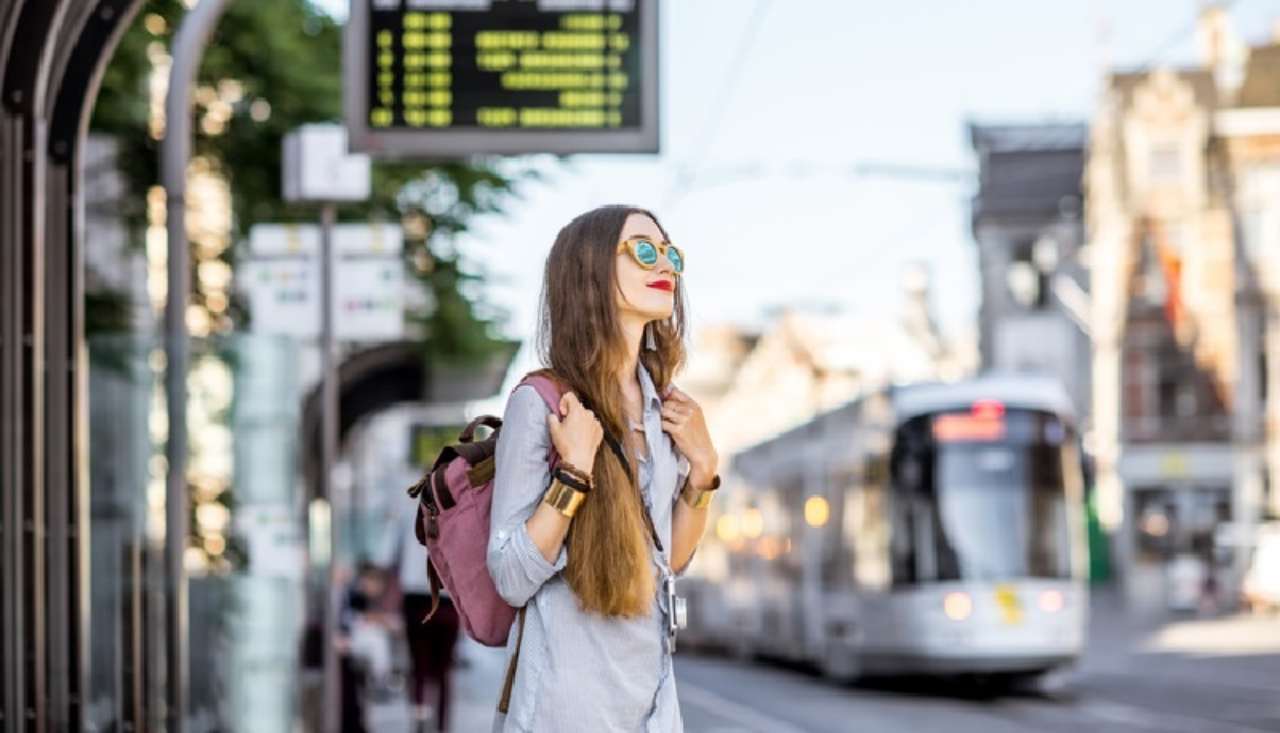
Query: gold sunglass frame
[[629, 245]]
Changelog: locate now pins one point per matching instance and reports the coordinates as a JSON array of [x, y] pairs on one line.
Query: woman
[[589, 550]]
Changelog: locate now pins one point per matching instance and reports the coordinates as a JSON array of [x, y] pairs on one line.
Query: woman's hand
[[683, 420], [575, 433]]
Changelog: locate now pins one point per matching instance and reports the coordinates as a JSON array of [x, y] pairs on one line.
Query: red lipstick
[[666, 285]]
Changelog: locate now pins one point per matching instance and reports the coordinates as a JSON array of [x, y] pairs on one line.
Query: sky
[[807, 89]]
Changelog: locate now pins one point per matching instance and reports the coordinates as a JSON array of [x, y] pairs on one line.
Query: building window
[[1028, 275], [1263, 377], [1165, 164], [1155, 516], [1153, 288], [1268, 501], [1253, 228], [1186, 400]]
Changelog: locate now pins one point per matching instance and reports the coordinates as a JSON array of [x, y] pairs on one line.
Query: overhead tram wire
[[734, 75], [800, 170], [1180, 35], [686, 175]]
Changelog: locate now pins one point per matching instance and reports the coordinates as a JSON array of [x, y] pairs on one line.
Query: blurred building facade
[[1183, 222], [1027, 224], [754, 384]]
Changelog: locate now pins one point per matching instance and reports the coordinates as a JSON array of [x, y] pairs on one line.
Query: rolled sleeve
[[521, 477]]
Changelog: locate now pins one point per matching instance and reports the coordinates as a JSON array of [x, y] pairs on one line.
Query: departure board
[[447, 78]]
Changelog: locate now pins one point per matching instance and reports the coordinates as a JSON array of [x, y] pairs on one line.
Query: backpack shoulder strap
[[550, 390], [436, 585], [548, 387], [504, 702]]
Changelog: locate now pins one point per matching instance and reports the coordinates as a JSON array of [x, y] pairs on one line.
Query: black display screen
[[504, 64]]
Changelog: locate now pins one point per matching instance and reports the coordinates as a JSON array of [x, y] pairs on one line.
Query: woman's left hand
[[683, 420]]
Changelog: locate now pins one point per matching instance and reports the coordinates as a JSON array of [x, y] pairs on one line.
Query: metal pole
[[328, 450], [175, 151]]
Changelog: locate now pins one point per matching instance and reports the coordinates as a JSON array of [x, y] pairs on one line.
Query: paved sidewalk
[[476, 683], [476, 688], [1236, 649]]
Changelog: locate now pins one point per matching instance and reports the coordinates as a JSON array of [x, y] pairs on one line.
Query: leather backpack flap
[[482, 473], [480, 462]]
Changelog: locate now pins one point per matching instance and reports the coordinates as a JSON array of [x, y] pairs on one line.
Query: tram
[[924, 529]]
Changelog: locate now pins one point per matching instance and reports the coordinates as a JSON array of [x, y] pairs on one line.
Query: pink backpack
[[455, 498]]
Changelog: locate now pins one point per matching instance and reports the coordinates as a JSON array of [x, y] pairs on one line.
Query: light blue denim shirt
[[580, 671]]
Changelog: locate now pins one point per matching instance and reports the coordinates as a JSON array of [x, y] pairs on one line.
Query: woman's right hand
[[575, 432]]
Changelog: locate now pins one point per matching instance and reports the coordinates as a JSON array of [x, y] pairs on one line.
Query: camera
[[677, 610]]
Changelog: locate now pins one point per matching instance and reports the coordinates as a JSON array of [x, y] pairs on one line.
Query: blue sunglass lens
[[677, 261], [647, 253]]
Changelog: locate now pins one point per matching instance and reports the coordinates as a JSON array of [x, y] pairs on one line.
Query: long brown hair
[[580, 341]]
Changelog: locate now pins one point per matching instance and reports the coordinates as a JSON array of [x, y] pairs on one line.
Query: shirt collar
[[647, 389]]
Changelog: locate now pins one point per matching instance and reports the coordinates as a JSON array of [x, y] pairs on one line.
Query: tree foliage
[[270, 67]]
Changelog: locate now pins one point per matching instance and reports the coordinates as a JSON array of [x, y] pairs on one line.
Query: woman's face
[[646, 294]]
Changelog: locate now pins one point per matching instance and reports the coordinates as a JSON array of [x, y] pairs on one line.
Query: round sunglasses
[[646, 253]]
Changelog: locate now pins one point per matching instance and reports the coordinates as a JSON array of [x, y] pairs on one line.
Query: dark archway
[[52, 56], [379, 377]]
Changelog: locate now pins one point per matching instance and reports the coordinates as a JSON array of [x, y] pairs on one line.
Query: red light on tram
[[963, 427], [990, 409]]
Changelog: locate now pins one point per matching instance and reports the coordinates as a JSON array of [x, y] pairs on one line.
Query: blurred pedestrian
[[1209, 587], [368, 626], [432, 642], [597, 630], [364, 644]]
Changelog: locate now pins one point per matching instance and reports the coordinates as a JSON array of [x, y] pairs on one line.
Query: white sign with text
[[281, 279]]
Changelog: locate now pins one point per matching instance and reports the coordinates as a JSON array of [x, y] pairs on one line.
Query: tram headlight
[[958, 606], [1052, 601]]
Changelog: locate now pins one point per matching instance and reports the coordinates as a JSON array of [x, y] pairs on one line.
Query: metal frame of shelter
[[52, 56]]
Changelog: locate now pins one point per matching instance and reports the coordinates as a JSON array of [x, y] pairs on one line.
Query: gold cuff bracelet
[[565, 499], [700, 497]]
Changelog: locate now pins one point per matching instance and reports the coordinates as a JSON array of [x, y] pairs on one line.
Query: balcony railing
[[1176, 429]]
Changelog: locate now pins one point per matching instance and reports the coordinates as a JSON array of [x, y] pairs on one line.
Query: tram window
[[973, 503], [866, 534]]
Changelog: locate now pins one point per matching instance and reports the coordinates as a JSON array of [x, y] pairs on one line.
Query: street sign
[[273, 538], [317, 167], [282, 281], [444, 78]]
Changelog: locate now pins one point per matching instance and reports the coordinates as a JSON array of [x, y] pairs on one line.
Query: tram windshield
[[982, 495]]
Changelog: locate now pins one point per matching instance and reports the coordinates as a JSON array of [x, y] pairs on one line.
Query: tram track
[[723, 696]]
